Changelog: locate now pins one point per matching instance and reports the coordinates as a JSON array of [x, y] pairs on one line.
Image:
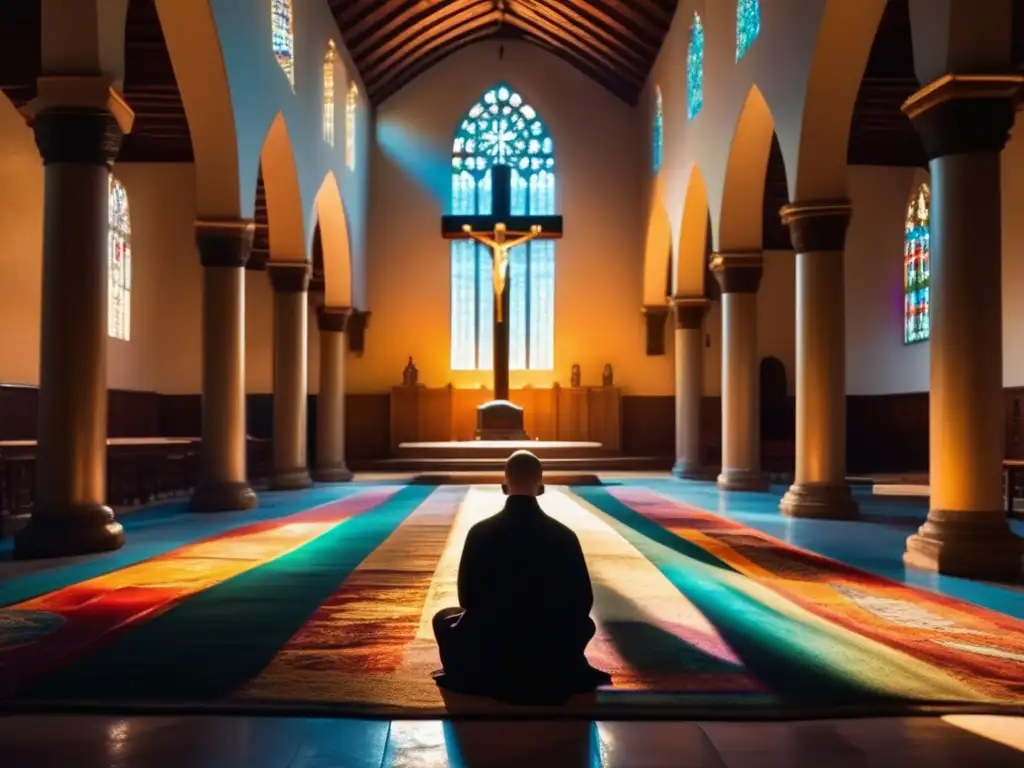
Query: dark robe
[[524, 616]]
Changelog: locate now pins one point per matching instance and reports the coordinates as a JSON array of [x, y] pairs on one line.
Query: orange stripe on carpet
[[978, 647], [356, 648], [95, 609]]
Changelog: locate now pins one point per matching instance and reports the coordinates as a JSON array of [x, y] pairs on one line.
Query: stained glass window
[[351, 103], [282, 37], [748, 25], [659, 127], [329, 58], [502, 129], [119, 264], [916, 268], [695, 69]]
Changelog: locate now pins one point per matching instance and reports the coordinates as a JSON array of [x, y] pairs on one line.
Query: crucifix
[[500, 232]]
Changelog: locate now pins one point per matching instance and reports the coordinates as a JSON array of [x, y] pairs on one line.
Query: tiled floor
[[177, 742]]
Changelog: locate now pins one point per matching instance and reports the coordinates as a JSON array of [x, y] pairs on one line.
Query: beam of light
[[1008, 731], [417, 157]]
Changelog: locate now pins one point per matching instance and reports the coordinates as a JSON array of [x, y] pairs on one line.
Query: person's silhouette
[[523, 621]]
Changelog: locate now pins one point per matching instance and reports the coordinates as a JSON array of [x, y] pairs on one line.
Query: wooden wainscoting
[[425, 414]]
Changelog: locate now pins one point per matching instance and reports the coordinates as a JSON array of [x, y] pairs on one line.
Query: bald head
[[524, 475]]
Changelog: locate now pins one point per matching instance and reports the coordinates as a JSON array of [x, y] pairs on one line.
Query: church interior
[[284, 282]]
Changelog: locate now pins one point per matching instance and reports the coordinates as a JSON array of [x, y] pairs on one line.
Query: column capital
[[655, 316], [333, 319], [817, 225], [82, 135], [225, 243], [957, 114], [289, 277], [355, 330], [689, 311], [738, 271]]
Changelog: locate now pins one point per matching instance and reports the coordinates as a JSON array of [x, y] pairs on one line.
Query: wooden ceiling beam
[[597, 60], [435, 37], [606, 9], [625, 45], [616, 87], [391, 84], [570, 54], [411, 17], [383, 52], [575, 33]]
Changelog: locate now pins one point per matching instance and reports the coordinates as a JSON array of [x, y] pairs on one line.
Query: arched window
[[659, 128], [351, 103], [119, 263], [282, 37], [695, 69], [916, 268], [329, 59], [502, 129], [748, 25]]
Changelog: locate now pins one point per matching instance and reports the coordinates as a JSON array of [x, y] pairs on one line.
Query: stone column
[[70, 516], [964, 123], [819, 238], [330, 408], [224, 247], [689, 350], [291, 354], [739, 275]]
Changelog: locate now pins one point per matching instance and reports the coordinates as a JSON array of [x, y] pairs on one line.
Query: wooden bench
[[140, 470]]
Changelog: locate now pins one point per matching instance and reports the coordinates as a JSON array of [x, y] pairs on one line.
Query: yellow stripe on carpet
[[363, 645]]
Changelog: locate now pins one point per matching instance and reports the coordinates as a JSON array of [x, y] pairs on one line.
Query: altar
[[564, 420]]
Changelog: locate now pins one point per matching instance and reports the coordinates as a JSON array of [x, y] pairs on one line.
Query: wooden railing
[[140, 470]]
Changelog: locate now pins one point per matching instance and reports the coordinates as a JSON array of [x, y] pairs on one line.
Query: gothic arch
[[196, 55], [741, 218], [284, 196], [334, 240], [691, 258], [841, 52], [658, 252]]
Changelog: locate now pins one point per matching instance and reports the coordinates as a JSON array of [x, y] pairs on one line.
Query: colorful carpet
[[331, 605]]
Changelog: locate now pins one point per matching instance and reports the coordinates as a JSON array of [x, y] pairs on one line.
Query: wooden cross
[[501, 231]]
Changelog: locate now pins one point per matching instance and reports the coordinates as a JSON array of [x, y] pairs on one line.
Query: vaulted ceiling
[[615, 42]]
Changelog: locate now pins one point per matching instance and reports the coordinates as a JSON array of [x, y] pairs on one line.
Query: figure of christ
[[499, 254]]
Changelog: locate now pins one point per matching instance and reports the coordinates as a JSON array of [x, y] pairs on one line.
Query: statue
[[607, 375], [499, 254], [574, 381], [410, 376]]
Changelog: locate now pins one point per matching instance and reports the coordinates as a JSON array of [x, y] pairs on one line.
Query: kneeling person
[[525, 598]]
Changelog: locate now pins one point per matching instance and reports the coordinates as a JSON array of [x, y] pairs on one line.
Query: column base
[[335, 474], [685, 469], [974, 545], [821, 501], [223, 497], [742, 480], [289, 479], [66, 531]]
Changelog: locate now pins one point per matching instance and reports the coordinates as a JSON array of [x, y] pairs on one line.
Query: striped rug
[[331, 606]]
